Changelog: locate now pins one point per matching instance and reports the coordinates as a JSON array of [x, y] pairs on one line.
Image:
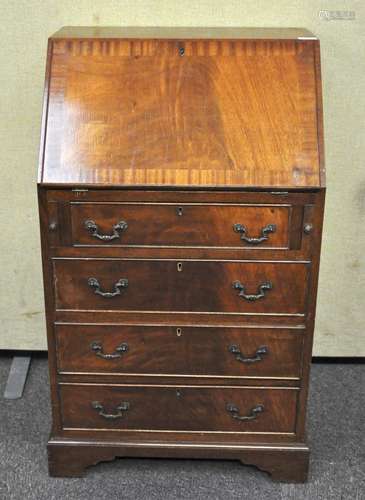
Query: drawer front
[[197, 408], [187, 225], [124, 349], [189, 286]]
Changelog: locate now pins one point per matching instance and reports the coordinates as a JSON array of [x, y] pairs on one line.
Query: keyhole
[[178, 332], [180, 211], [179, 267], [181, 51], [178, 393]]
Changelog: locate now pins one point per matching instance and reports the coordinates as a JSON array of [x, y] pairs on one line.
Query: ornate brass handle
[[237, 285], [234, 411], [258, 356], [93, 229], [119, 351], [94, 283], [265, 231], [123, 407]]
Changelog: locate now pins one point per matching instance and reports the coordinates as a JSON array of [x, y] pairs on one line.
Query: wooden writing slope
[[181, 193]]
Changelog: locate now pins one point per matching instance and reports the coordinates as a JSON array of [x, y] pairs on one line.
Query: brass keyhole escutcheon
[[180, 211], [179, 267], [178, 332]]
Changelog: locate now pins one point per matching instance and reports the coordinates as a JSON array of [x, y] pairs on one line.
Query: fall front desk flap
[[154, 107]]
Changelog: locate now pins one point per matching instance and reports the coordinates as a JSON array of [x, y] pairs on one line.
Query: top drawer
[[180, 225]]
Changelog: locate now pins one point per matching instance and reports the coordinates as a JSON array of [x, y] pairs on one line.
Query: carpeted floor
[[336, 436]]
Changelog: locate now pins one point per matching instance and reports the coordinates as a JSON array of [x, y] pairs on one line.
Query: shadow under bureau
[[181, 194]]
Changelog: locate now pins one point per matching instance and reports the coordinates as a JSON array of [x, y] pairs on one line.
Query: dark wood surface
[[181, 319], [200, 286], [207, 219], [181, 408], [287, 463], [180, 195], [180, 224], [179, 351], [213, 128]]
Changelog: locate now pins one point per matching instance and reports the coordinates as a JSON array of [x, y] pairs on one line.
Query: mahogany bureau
[[181, 194]]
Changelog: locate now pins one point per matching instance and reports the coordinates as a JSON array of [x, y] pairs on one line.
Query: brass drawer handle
[[237, 285], [94, 283], [120, 410], [254, 412], [258, 356], [265, 231], [97, 348], [93, 229]]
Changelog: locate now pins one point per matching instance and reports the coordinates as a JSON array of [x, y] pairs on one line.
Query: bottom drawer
[[178, 408]]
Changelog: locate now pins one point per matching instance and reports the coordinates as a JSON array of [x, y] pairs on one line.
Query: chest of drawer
[[182, 408], [168, 350], [188, 286], [180, 224], [117, 223], [181, 202]]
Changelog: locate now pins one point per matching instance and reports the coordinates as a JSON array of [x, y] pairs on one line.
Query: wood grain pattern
[[286, 463], [181, 224], [227, 113], [178, 408], [181, 133], [177, 319], [206, 220], [200, 286], [179, 351], [180, 195]]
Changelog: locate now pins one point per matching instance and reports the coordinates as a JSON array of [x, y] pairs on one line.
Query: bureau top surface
[[188, 107], [181, 32]]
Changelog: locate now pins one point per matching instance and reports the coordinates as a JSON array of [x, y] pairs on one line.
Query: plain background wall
[[25, 27]]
